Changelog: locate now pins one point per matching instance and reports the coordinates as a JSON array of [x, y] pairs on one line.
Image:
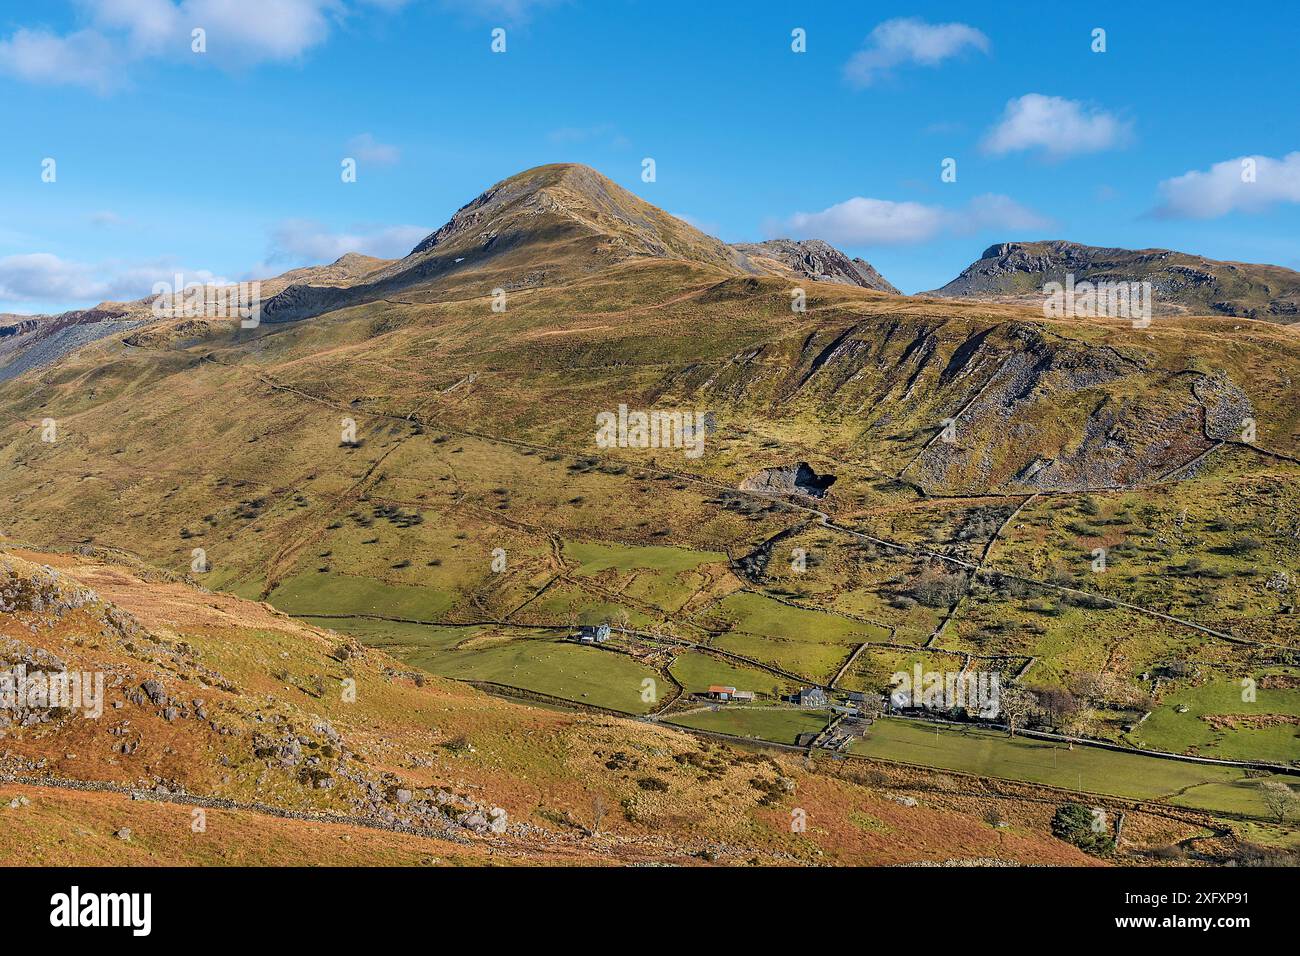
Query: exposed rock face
[[817, 260], [1227, 407], [1180, 282], [36, 341], [300, 301], [18, 324], [797, 479]]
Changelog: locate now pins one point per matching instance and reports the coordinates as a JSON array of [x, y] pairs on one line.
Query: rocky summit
[[1181, 283]]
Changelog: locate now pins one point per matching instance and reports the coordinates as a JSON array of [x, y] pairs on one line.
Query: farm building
[[810, 697], [593, 633], [723, 692]]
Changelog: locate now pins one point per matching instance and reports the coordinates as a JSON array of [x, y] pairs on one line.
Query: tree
[[1280, 799], [1075, 724], [1085, 827], [936, 587], [872, 706], [1016, 704], [1057, 703]]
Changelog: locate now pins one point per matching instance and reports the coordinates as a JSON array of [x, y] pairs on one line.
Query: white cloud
[[255, 30], [367, 149], [1057, 126], [85, 58], [1228, 187], [906, 41], [59, 283], [304, 242], [882, 222], [869, 222], [119, 33], [44, 277], [148, 23]]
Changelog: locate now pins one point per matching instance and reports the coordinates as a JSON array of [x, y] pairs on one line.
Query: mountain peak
[[543, 226], [570, 202]]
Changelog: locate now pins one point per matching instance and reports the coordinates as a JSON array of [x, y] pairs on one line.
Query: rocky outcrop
[[816, 260], [300, 301], [1180, 282], [1227, 407], [798, 479]]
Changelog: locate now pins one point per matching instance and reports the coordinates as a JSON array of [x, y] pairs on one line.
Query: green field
[[993, 754], [417, 644], [1190, 732], [595, 558], [327, 593], [565, 600], [696, 671], [756, 614], [779, 724], [817, 662], [517, 657], [587, 675], [662, 577]]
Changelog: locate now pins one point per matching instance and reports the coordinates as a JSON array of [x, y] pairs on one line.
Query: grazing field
[[547, 665], [696, 671], [757, 614], [807, 642], [529, 659], [345, 594], [1218, 723], [417, 644], [994, 754], [815, 661], [595, 557], [779, 724]]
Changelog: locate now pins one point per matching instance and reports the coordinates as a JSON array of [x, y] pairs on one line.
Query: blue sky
[[227, 163]]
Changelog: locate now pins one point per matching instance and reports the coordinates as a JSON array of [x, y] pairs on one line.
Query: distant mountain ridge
[[33, 341], [1181, 282]]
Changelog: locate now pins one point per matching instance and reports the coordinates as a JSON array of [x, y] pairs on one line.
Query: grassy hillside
[[421, 473], [220, 704]]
